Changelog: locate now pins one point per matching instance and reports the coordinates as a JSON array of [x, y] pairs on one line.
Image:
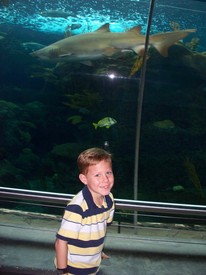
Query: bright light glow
[[112, 76]]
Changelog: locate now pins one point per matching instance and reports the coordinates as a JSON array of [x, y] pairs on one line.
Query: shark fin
[[163, 50], [136, 29], [103, 28], [139, 50], [163, 41]]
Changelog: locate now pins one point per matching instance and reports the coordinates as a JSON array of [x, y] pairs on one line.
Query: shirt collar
[[89, 199]]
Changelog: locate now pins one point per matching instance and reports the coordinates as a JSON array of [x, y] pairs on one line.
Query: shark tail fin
[[163, 41]]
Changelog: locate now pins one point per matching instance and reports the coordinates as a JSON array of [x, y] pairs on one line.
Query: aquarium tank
[[124, 75]]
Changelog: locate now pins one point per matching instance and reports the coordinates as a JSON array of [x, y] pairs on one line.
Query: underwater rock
[[196, 61], [183, 56]]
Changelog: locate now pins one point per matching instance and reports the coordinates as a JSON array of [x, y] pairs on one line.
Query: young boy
[[80, 238]]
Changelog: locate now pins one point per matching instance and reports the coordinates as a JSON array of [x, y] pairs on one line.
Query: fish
[[103, 43], [106, 122], [75, 26], [164, 124], [178, 188], [55, 14], [32, 46], [76, 119], [71, 29]]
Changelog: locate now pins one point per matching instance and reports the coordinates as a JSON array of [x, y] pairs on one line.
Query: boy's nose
[[105, 178]]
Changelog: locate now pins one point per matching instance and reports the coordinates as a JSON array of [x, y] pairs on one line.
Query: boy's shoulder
[[78, 203], [78, 199]]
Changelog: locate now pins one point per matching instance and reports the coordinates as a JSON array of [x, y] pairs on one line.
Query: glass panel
[[172, 150], [83, 93]]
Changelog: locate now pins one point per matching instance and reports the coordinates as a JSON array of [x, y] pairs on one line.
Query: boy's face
[[99, 179]]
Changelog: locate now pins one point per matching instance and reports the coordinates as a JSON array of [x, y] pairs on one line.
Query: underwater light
[[112, 76]]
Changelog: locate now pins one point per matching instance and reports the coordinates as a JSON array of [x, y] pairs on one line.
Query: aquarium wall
[[70, 75]]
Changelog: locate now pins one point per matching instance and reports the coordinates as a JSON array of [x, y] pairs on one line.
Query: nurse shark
[[104, 43]]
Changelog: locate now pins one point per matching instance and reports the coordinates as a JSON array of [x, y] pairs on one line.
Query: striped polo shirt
[[83, 227]]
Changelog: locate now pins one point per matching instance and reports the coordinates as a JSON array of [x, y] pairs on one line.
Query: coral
[[174, 26], [24, 136], [193, 44], [10, 174], [46, 73], [29, 161], [7, 109]]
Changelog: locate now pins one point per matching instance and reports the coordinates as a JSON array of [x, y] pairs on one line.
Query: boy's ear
[[83, 178]]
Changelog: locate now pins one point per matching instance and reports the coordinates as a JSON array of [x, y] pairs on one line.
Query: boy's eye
[[109, 173]]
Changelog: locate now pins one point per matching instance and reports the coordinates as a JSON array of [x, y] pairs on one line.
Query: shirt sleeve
[[111, 214], [71, 223]]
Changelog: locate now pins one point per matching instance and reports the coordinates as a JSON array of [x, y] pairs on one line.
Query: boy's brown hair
[[91, 157]]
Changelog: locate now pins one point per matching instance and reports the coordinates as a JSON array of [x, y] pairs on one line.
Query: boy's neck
[[99, 201]]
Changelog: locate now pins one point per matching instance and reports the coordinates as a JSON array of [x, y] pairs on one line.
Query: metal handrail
[[134, 205]]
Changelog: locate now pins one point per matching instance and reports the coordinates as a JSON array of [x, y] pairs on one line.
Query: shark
[[104, 43]]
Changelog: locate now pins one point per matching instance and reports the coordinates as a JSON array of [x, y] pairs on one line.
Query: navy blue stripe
[[88, 213], [61, 237], [82, 271], [74, 208], [88, 198], [94, 211], [84, 244], [109, 201], [80, 243]]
